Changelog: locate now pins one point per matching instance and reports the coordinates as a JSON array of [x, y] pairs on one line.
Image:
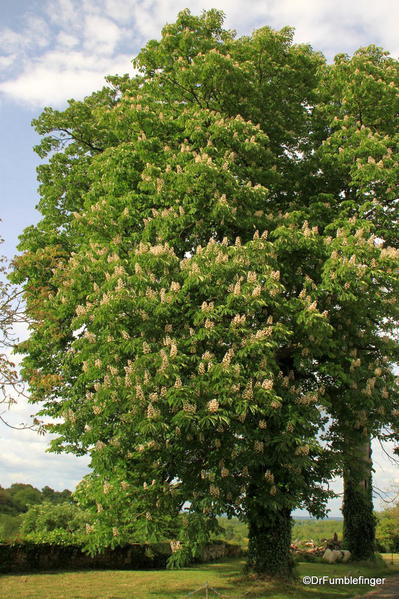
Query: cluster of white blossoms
[[248, 391], [69, 416], [80, 310], [139, 392], [259, 446], [269, 476], [189, 408], [307, 399], [91, 337], [237, 288], [227, 357], [251, 277], [261, 334], [355, 364], [303, 450], [107, 487], [239, 319], [275, 404], [175, 546], [214, 490], [213, 405], [152, 412], [267, 384]]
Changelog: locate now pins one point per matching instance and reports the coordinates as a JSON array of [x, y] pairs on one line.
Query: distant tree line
[[19, 497]]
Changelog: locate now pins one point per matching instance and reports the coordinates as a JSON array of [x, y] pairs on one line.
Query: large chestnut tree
[[199, 287]]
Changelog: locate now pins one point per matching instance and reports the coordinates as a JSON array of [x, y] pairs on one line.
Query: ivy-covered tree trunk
[[359, 519], [269, 533], [269, 544]]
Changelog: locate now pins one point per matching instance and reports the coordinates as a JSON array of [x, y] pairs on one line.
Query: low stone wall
[[216, 551], [26, 557], [20, 557]]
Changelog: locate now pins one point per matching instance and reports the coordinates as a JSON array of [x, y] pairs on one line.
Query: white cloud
[[7, 61], [64, 13], [10, 41], [25, 459], [120, 10], [63, 75], [66, 40], [38, 29], [39, 468], [100, 37]]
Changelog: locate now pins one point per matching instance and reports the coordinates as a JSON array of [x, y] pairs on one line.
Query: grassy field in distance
[[303, 530]]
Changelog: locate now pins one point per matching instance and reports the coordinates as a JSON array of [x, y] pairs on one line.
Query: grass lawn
[[226, 577]]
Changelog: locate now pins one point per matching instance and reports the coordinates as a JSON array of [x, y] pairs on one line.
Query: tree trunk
[[269, 533], [359, 519], [269, 551]]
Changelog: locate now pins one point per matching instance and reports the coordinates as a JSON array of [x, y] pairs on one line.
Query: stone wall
[[20, 557], [26, 557]]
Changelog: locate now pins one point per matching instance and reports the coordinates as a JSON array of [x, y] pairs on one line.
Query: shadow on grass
[[73, 571], [258, 591], [239, 585], [236, 584]]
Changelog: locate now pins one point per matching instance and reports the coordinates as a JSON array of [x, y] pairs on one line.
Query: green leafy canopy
[[208, 286]]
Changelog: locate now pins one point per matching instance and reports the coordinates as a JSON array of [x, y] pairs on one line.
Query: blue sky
[[58, 49]]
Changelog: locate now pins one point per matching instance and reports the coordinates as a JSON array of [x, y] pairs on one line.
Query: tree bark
[[269, 533], [269, 551], [359, 519]]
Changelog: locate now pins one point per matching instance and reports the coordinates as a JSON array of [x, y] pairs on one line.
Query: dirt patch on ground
[[389, 590]]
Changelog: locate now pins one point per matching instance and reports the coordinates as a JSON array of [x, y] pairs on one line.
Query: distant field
[[316, 530], [392, 559], [303, 530], [225, 577]]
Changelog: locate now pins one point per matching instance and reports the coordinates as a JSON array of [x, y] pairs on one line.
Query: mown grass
[[226, 577]]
